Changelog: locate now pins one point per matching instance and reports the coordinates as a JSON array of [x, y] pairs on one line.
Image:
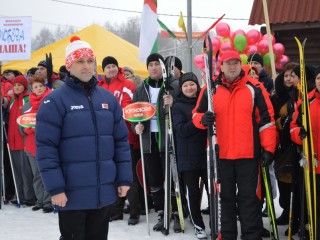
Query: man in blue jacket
[[82, 148]]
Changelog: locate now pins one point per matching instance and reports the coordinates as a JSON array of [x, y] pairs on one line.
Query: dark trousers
[[193, 194], [85, 224], [241, 175]]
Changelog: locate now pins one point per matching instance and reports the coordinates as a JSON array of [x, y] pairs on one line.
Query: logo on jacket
[[46, 101], [77, 107], [105, 105]]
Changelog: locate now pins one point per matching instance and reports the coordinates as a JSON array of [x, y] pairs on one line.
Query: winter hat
[[32, 71], [309, 72], [255, 57], [177, 62], [22, 80], [230, 54], [42, 63], [129, 69], [77, 49], [154, 57], [109, 60], [188, 76]]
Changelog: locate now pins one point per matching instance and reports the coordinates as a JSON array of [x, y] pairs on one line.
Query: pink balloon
[[199, 61], [273, 40], [278, 49], [253, 36], [235, 33], [263, 47], [283, 60], [279, 66], [215, 44], [225, 46], [251, 49], [223, 29]]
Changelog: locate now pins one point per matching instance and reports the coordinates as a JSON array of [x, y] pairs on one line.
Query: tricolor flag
[[172, 35], [148, 34]]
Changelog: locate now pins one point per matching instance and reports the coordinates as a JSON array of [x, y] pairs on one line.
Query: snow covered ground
[[24, 224]]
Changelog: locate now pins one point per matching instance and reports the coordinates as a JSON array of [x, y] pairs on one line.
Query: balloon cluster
[[245, 43]]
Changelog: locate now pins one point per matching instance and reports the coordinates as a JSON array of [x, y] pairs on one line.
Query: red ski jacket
[[244, 118], [296, 123]]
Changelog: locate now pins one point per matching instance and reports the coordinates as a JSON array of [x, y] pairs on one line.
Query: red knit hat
[[22, 80], [230, 54], [77, 49]]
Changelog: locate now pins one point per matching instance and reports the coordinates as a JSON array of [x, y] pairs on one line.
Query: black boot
[[176, 223], [134, 219], [283, 219], [159, 226]]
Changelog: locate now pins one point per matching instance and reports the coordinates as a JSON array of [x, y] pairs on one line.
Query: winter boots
[[159, 226], [200, 233]]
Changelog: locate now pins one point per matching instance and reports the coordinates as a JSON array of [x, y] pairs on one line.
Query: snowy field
[[24, 224]]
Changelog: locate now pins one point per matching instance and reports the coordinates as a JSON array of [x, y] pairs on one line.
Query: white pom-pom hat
[[77, 49]]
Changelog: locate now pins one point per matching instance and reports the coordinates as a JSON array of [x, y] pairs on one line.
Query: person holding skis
[[246, 133], [83, 153], [191, 148], [153, 136]]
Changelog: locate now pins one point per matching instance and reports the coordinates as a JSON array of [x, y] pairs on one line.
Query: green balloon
[[244, 59], [240, 42], [267, 59]]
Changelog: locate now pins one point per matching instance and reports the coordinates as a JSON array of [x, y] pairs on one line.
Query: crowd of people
[[82, 156]]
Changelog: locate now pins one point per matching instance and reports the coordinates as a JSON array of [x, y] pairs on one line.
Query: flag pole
[[189, 36]]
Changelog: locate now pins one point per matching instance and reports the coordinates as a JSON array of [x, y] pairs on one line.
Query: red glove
[[28, 130]]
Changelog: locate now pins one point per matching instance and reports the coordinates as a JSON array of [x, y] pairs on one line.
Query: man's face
[[83, 69], [42, 71], [127, 74], [155, 71], [257, 65], [9, 76], [111, 70], [231, 69], [177, 72]]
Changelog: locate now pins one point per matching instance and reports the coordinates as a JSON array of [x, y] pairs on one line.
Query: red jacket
[[15, 138], [30, 143], [296, 123], [6, 90], [244, 118], [123, 90]]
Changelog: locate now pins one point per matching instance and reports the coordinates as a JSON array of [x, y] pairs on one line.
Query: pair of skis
[[308, 161], [170, 154], [212, 148]]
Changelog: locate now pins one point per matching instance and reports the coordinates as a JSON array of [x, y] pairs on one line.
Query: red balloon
[[235, 33], [279, 66], [223, 29], [251, 49], [273, 40], [278, 49], [215, 44], [253, 36], [225, 46], [263, 47], [283, 60], [199, 61]]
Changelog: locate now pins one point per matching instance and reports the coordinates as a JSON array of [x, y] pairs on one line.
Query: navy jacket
[[191, 141], [82, 145]]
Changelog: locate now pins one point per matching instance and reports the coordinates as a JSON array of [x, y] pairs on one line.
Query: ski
[[308, 156], [212, 149], [269, 201]]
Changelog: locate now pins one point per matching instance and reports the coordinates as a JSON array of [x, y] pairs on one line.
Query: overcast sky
[[82, 13]]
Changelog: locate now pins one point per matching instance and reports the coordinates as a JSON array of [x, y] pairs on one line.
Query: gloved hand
[[303, 133], [266, 158], [208, 118]]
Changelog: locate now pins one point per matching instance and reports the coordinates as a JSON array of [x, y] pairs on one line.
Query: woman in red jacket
[[39, 91], [297, 134], [21, 168]]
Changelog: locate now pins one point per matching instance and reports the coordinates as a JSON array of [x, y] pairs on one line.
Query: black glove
[[266, 158], [208, 118], [303, 133]]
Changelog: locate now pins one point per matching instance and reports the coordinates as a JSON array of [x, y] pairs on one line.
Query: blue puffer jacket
[[82, 146]]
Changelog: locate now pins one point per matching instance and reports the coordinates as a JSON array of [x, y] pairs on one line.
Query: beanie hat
[[109, 60], [32, 71], [129, 69], [42, 63], [154, 57], [188, 76], [63, 69], [255, 57], [22, 80], [230, 54], [308, 70], [177, 62], [77, 49]]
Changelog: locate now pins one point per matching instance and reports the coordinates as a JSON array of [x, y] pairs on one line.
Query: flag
[[172, 35], [148, 34], [181, 24]]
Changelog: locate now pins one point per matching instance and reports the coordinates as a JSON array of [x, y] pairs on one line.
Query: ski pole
[[10, 158]]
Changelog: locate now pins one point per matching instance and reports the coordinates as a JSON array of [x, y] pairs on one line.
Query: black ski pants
[[240, 175], [85, 224]]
